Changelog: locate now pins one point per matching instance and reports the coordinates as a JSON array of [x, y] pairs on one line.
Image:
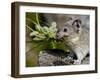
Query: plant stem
[[29, 28], [53, 44], [37, 19], [31, 21], [34, 47]]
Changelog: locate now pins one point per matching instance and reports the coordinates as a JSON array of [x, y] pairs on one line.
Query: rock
[[56, 57], [86, 60]]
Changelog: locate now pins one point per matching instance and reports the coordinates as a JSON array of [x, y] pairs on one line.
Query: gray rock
[[57, 58], [54, 58]]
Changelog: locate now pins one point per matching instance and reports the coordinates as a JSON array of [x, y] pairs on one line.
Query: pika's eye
[[65, 29]]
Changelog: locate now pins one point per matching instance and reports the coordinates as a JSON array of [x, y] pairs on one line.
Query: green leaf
[[53, 27], [45, 30], [42, 36], [53, 24], [34, 33], [38, 27], [37, 39]]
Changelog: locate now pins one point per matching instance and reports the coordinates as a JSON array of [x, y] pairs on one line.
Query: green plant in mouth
[[45, 36]]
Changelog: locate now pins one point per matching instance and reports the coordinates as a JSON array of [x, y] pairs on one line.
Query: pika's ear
[[77, 24]]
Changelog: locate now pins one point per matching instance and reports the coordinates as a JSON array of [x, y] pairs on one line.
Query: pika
[[77, 38], [74, 30]]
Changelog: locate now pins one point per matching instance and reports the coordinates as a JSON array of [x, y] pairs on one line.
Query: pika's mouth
[[60, 37], [65, 36]]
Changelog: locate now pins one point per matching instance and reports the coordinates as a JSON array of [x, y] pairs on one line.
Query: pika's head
[[71, 30]]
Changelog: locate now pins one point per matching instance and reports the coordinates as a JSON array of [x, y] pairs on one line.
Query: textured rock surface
[[57, 58]]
